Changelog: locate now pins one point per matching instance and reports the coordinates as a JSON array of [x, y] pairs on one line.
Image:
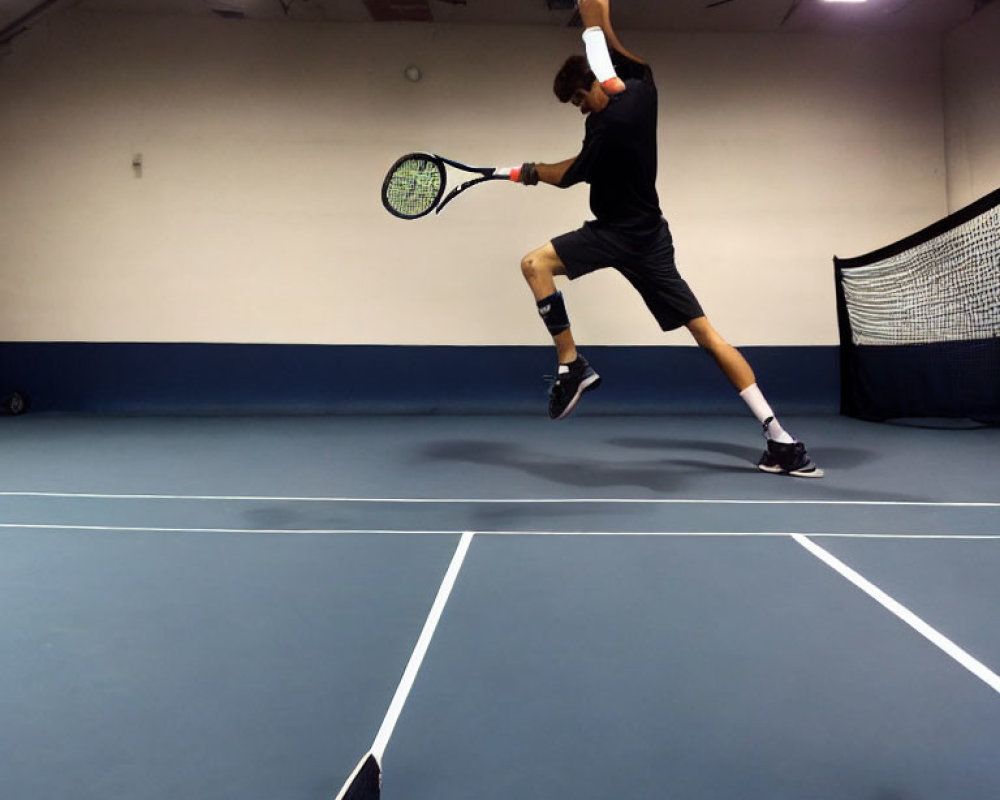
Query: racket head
[[413, 185]]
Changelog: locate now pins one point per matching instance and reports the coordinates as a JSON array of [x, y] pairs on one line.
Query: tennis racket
[[416, 183]]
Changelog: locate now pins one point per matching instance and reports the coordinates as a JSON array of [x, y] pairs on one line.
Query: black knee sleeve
[[552, 310]]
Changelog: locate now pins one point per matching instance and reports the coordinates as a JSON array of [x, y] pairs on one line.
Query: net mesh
[[945, 289], [413, 187], [920, 321]]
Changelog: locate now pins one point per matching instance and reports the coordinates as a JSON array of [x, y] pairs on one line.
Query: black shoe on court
[[788, 459], [569, 386]]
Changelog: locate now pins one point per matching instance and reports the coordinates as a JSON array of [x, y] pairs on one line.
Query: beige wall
[[972, 103], [257, 217]]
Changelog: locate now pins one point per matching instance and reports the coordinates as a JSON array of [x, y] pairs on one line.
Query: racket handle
[[526, 173]]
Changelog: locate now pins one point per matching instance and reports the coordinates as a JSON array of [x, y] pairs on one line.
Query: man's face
[[589, 101]]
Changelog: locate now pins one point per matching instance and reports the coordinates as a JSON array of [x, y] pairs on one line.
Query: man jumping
[[615, 90]]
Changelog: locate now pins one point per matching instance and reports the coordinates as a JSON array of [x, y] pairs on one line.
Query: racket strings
[[414, 187]]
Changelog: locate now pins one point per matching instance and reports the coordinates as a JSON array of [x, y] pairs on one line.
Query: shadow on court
[[591, 472], [741, 453], [572, 471], [677, 470], [830, 457]]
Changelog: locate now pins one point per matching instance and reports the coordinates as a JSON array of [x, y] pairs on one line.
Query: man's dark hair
[[574, 74]]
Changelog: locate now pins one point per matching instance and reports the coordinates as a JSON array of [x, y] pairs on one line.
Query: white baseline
[[506, 500], [62, 526]]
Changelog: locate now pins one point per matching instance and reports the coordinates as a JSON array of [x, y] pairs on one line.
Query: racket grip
[[526, 173]]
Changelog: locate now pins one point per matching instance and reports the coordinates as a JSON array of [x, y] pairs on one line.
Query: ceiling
[[927, 16]]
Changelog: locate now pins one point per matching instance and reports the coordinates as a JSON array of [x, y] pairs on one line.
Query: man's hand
[[594, 13], [529, 174], [597, 14]]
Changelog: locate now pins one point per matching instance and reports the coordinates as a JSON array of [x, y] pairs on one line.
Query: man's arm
[[531, 173], [597, 14], [553, 173]]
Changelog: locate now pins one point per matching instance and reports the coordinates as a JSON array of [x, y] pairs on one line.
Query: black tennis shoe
[[788, 459], [569, 386]]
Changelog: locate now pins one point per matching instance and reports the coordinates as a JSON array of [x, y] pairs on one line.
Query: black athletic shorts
[[646, 261]]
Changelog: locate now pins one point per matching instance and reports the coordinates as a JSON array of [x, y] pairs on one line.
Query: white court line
[[510, 500], [385, 730], [423, 641], [439, 532], [974, 666]]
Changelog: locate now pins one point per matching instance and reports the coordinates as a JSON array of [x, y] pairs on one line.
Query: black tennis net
[[920, 321]]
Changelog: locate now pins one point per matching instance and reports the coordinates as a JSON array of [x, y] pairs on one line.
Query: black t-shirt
[[618, 158]]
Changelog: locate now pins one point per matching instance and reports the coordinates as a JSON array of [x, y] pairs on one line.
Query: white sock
[[754, 398]]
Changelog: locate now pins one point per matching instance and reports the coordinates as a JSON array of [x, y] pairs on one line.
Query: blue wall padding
[[191, 378]]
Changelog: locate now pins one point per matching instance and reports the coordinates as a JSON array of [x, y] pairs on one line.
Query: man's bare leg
[[574, 375], [740, 375], [539, 268]]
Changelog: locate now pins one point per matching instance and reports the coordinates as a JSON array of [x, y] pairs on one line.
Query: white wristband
[[597, 54]]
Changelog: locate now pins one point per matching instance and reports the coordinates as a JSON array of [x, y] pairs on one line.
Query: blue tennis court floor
[[222, 608]]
